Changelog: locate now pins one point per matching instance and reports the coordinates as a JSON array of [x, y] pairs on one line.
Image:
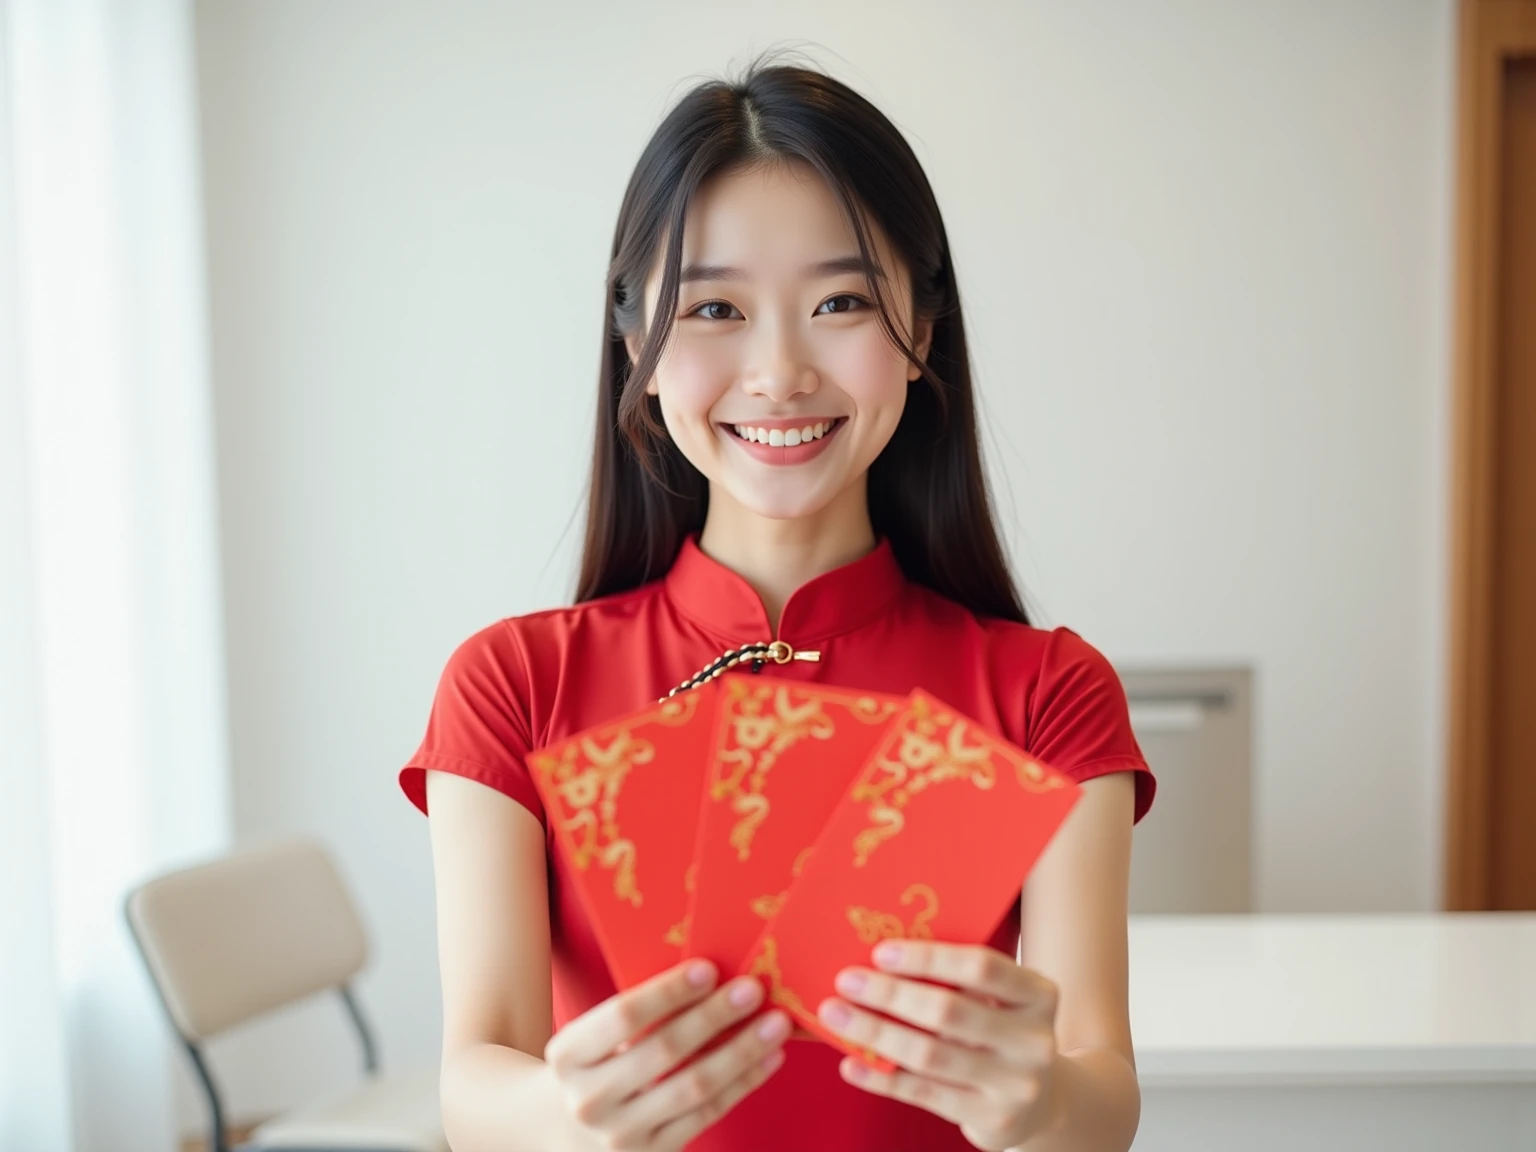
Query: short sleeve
[[478, 726], [1078, 720]]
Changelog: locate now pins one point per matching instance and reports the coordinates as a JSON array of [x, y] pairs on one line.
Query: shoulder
[[1049, 671], [1036, 656], [527, 637], [1020, 656], [521, 666], [1067, 703]]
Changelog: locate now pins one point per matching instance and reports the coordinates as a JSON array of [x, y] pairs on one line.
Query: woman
[[786, 451]]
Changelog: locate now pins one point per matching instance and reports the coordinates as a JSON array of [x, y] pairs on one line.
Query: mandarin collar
[[845, 598]]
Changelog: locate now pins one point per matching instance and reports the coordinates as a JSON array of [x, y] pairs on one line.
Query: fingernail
[[745, 993], [701, 973], [888, 954], [772, 1061], [775, 1027], [835, 1014], [851, 983]]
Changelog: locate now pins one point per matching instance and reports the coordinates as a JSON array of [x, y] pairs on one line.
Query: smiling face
[[778, 382]]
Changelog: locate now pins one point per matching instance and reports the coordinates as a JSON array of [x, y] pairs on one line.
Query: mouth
[[786, 437], [785, 445]]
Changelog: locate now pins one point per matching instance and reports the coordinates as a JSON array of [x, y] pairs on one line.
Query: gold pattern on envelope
[[762, 722], [588, 776], [766, 965], [768, 906], [677, 935], [873, 926], [932, 748]]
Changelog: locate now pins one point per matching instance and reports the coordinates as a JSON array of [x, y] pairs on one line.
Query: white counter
[[1336, 1031]]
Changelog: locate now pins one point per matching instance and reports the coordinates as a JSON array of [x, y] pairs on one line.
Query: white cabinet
[[1335, 1033]]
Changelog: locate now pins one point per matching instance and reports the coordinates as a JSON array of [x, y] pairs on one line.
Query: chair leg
[[364, 1033], [217, 1141]]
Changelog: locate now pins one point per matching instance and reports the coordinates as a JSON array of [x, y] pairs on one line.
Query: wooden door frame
[[1491, 33]]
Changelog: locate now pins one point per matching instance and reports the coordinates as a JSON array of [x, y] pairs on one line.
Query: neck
[[777, 556]]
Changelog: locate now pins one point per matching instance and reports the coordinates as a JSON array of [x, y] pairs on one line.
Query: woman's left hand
[[981, 1053]]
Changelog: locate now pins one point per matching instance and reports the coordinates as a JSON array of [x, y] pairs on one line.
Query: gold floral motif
[[588, 776], [873, 927], [1033, 777], [766, 964], [762, 723], [768, 906], [677, 935], [932, 748]]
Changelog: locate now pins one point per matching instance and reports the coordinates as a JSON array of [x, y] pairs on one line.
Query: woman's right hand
[[617, 1065]]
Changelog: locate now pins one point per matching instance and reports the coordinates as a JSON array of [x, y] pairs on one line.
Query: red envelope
[[784, 753], [614, 795], [932, 841]]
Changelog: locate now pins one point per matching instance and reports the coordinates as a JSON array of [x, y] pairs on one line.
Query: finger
[[956, 1104], [658, 1054], [974, 967], [921, 1052], [677, 1133], [953, 1015], [691, 1088], [593, 1036]]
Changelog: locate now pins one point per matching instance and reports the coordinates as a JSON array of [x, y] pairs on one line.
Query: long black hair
[[927, 489]]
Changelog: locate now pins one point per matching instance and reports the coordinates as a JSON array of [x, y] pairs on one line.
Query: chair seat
[[393, 1113]]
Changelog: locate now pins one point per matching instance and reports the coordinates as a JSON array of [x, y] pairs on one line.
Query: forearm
[[498, 1099], [1099, 1101]]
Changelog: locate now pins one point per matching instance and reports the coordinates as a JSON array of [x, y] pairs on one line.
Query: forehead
[[763, 208], [772, 221]]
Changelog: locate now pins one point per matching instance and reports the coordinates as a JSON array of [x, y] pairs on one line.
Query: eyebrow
[[835, 267]]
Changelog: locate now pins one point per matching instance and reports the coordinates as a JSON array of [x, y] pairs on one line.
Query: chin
[[781, 506]]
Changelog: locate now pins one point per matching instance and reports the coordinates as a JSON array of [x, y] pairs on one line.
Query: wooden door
[[1491, 795]]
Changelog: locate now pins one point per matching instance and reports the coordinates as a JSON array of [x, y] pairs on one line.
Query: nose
[[780, 370]]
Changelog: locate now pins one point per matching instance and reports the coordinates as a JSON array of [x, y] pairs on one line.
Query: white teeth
[[783, 437]]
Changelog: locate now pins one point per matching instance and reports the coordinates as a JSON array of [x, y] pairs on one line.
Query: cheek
[[871, 372], [690, 383]]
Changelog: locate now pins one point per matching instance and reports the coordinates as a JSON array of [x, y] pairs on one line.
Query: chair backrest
[[234, 938]]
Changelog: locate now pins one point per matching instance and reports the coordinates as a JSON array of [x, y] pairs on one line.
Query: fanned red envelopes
[[784, 753], [614, 795], [932, 841]]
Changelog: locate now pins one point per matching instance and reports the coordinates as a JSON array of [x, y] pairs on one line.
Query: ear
[[923, 343], [632, 344]]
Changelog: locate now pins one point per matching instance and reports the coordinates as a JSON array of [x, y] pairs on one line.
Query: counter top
[[1385, 999]]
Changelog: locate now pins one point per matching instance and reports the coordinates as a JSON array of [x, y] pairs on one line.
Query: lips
[[785, 442], [776, 437]]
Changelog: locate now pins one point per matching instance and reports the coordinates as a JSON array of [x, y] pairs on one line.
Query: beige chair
[[233, 939]]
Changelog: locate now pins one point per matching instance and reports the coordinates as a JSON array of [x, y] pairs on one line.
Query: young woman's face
[[777, 381]]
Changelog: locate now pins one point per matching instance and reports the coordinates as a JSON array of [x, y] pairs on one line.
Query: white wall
[[1204, 253]]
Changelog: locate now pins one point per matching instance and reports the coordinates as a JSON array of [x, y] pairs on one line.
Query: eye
[[863, 303], [695, 311]]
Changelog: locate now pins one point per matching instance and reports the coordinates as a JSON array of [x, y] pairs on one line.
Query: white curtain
[[112, 708]]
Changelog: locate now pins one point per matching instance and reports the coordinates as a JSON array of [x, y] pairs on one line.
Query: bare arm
[[1074, 932], [493, 950], [622, 1074]]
